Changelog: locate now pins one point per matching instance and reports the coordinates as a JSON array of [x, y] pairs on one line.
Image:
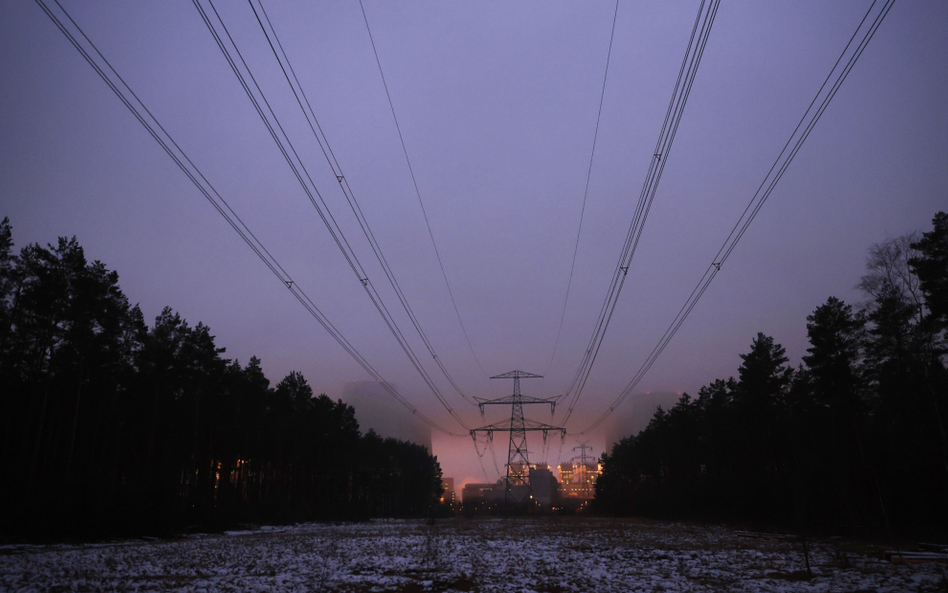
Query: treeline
[[113, 427], [854, 439]]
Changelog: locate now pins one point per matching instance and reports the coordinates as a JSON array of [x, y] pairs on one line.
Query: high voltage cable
[[667, 135], [759, 198], [659, 159], [414, 181], [347, 191], [323, 142], [656, 166], [559, 453], [582, 210], [686, 75], [480, 459], [180, 158], [296, 166], [493, 456]]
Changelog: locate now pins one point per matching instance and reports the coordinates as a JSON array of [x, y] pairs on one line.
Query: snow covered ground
[[522, 554]]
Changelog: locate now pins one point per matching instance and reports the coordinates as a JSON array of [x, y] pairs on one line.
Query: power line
[[414, 181], [323, 142], [697, 42], [187, 166], [480, 459], [582, 210], [329, 221], [757, 201]]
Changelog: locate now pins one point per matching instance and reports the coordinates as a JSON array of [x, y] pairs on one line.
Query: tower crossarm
[[517, 375], [511, 399], [528, 426]]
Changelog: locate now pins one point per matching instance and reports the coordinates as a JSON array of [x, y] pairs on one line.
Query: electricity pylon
[[584, 473], [582, 447], [518, 463]]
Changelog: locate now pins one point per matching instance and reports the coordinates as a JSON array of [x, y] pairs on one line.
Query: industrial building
[[578, 480], [540, 484], [477, 492], [449, 496]]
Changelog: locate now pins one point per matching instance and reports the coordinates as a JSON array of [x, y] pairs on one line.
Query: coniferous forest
[[110, 426], [853, 440]]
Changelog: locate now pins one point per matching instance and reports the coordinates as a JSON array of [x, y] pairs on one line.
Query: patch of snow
[[524, 554]]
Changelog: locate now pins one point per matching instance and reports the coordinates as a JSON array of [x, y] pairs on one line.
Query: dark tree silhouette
[[930, 263], [111, 427], [854, 439]]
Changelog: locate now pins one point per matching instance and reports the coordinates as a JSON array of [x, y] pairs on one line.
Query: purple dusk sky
[[497, 102]]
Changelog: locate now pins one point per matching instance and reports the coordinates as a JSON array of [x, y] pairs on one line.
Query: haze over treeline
[[110, 426], [855, 438]]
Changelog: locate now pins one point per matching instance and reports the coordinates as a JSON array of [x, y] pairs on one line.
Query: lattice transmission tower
[[585, 486], [518, 462]]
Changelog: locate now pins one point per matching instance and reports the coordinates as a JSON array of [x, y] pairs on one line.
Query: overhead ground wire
[[582, 210], [421, 202]]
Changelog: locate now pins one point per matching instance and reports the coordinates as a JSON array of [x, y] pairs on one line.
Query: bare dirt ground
[[523, 554]]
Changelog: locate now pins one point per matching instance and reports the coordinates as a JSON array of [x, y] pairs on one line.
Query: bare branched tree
[[889, 274]]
